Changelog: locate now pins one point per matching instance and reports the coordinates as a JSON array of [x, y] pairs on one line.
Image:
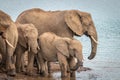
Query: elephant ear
[[73, 21], [62, 47]]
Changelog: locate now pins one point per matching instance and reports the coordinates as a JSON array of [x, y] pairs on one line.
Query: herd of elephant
[[47, 36]]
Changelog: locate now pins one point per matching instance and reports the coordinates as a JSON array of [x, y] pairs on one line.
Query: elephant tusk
[[29, 49], [75, 60], [94, 40], [9, 43], [38, 48]]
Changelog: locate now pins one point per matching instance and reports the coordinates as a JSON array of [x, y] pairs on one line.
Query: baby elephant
[[61, 49], [27, 41]]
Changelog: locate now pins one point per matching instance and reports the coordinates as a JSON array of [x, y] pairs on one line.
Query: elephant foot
[[23, 70], [29, 73], [44, 74], [67, 78], [18, 70], [64, 75], [2, 67], [83, 69], [11, 72], [50, 75], [72, 74]]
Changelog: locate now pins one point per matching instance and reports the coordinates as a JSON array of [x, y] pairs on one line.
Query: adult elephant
[[60, 49], [8, 42], [27, 41], [64, 23]]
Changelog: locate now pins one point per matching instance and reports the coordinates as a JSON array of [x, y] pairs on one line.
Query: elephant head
[[72, 49], [28, 35], [81, 23], [5, 23]]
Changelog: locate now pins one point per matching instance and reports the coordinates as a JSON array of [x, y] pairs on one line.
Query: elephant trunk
[[93, 46], [33, 46], [78, 64]]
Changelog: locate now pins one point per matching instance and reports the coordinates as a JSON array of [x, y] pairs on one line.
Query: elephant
[[62, 49], [0, 57], [65, 23], [27, 41], [8, 42]]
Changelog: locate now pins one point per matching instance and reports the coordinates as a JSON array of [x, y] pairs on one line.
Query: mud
[[99, 70]]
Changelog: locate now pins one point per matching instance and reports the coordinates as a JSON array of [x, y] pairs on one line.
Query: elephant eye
[[5, 25], [89, 24], [1, 33], [26, 38], [86, 21]]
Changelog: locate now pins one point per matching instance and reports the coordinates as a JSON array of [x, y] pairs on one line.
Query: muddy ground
[[100, 70]]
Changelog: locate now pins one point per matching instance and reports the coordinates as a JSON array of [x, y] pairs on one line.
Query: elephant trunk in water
[[78, 64], [78, 59]]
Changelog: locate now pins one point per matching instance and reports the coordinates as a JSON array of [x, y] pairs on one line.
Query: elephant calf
[[27, 40], [61, 49]]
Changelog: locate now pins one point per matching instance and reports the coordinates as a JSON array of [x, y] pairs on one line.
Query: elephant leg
[[3, 64], [10, 66], [0, 57], [49, 69], [30, 63], [19, 52], [71, 63], [37, 63], [72, 74], [43, 66], [23, 63], [45, 69], [63, 65]]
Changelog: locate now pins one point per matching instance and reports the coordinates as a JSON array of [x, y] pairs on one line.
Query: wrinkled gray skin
[[61, 49], [8, 42], [27, 40], [63, 23]]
